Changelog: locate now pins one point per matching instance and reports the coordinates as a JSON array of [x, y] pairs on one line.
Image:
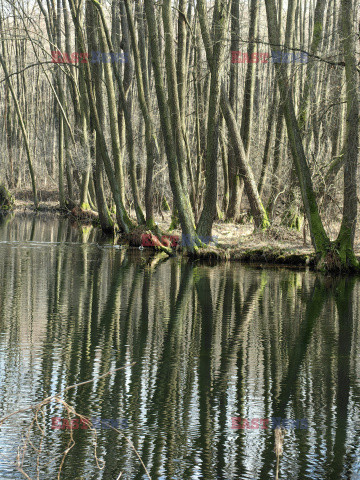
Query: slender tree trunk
[[316, 40], [181, 198], [257, 209], [152, 151], [105, 42], [268, 141], [61, 162], [256, 206], [123, 219], [173, 92], [23, 131], [346, 236], [279, 131], [106, 222], [248, 105], [181, 60], [235, 190], [225, 161], [318, 235], [221, 15]]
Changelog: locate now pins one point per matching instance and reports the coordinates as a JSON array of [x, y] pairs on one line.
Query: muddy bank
[[270, 255], [234, 242]]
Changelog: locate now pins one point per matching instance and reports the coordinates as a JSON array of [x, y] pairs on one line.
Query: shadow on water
[[209, 344]]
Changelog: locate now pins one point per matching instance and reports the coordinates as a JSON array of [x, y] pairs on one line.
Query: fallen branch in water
[[38, 422]]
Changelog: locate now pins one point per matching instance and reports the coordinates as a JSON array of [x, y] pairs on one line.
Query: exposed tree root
[[85, 216], [338, 259]]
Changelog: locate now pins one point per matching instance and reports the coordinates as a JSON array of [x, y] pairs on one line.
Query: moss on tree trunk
[[7, 201]]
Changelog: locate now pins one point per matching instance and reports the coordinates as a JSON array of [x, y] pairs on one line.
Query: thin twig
[[39, 409]]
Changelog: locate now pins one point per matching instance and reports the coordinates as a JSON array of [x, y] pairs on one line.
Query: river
[[204, 362]]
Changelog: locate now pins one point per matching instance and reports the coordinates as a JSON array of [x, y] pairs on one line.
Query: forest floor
[[237, 241]]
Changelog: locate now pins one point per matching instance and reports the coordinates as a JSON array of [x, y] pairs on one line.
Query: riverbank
[[234, 242]]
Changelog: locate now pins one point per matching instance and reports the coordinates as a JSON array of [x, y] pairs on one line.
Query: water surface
[[198, 345]]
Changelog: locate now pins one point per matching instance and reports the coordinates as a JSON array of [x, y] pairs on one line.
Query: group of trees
[[178, 122]]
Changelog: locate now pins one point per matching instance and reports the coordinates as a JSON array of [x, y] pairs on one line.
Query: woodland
[[209, 110]]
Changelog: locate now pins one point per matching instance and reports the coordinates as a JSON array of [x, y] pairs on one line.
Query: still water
[[195, 345]]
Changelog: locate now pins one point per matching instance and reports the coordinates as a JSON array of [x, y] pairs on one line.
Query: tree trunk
[[345, 240], [221, 15], [152, 151], [319, 238], [181, 198], [257, 209], [122, 217], [23, 131], [235, 190], [106, 222]]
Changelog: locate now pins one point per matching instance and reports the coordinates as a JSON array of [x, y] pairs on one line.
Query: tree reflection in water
[[209, 343]]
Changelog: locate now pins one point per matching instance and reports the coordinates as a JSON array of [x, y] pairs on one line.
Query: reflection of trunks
[[117, 423], [263, 423], [253, 424], [58, 423], [288, 423]]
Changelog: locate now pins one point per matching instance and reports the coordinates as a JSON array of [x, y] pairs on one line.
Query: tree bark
[[122, 217], [221, 15], [181, 198], [319, 237], [23, 131], [346, 236], [257, 209], [152, 151]]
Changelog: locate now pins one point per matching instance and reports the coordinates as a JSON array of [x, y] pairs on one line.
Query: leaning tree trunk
[[105, 41], [248, 104], [257, 209], [345, 240], [319, 238], [23, 131], [278, 148], [106, 222], [315, 43], [152, 151], [181, 198], [221, 15], [122, 217]]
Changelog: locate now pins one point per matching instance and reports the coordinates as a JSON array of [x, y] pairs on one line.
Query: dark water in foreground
[[209, 344]]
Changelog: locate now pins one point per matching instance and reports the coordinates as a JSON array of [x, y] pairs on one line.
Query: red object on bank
[[172, 239], [150, 240]]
